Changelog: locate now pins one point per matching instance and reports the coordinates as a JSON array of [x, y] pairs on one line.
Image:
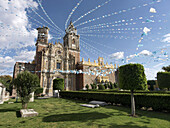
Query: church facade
[[63, 61]]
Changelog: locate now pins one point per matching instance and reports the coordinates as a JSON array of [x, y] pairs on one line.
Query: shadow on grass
[[82, 117], [141, 113], [9, 110], [18, 114]]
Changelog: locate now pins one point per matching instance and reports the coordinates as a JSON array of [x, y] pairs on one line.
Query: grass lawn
[[63, 113]]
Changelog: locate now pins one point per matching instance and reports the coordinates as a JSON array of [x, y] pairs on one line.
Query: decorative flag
[[152, 10]]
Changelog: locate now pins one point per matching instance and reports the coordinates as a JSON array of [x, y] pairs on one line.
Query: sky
[[121, 31]]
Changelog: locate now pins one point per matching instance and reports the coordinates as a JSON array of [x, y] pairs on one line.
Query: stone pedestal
[[32, 97], [28, 113]]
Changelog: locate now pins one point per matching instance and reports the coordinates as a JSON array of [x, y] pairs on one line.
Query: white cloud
[[25, 56], [145, 53], [16, 32], [117, 55], [15, 25], [6, 62], [151, 73]]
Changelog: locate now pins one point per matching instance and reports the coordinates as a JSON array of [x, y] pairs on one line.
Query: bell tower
[[42, 42], [71, 41], [42, 39]]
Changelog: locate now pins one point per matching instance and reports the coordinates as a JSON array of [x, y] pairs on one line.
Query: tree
[[132, 77], [38, 91], [151, 83], [101, 87], [115, 85], [167, 68], [87, 86], [26, 83], [95, 86], [163, 79], [111, 86], [92, 86], [58, 84]]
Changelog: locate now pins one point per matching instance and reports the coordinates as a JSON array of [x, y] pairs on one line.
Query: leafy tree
[[58, 84], [26, 83], [38, 91], [101, 87], [163, 79], [111, 86], [92, 86], [106, 85], [151, 83], [6, 80], [102, 81], [132, 77], [87, 86], [167, 68], [95, 86], [115, 85]]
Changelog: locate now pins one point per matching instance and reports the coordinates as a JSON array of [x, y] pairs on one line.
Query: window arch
[[73, 41]]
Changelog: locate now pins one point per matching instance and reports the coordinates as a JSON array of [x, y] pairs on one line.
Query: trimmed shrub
[[87, 86], [58, 84], [92, 86], [151, 83], [156, 101], [115, 85], [106, 86], [111, 86], [101, 87], [163, 79], [132, 77], [95, 86], [38, 91]]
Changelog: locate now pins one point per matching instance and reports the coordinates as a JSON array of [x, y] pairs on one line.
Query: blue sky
[[108, 28]]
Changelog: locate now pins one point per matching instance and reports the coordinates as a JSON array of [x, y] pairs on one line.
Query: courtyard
[[66, 113]]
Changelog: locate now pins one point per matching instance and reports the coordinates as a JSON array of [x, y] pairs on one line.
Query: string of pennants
[[118, 12]]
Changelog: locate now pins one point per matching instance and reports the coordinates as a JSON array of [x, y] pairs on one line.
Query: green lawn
[[63, 113]]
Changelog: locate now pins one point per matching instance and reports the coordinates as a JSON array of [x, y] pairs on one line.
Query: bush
[[92, 86], [58, 84], [38, 91], [87, 86], [101, 87], [156, 101], [111, 86], [151, 83], [106, 86], [95, 86], [132, 77], [115, 85], [163, 79]]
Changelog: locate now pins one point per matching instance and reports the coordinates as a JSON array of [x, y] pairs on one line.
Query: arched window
[[73, 41]]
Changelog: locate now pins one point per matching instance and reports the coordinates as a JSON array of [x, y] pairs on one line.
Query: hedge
[[132, 77], [163, 79], [38, 91], [58, 84], [156, 101]]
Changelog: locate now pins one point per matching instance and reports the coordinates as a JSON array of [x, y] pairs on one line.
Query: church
[[63, 61]]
